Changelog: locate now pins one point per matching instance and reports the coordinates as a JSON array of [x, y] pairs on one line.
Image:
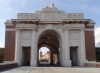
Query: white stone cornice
[[73, 26], [58, 26], [50, 26], [26, 26], [8, 23], [51, 22], [20, 20], [40, 26]]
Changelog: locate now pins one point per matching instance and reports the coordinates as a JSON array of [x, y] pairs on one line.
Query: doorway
[[74, 56], [26, 56]]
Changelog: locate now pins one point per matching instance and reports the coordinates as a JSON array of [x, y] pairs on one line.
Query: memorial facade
[[68, 35]]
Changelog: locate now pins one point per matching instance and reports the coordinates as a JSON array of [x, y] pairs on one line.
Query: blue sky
[[9, 9]]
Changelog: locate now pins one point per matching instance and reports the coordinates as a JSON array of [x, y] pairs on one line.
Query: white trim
[[89, 29], [10, 29]]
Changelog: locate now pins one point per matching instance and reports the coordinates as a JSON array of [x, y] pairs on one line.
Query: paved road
[[52, 70]]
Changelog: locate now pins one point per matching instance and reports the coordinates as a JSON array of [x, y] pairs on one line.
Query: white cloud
[[44, 50], [5, 8], [23, 3], [97, 36], [1, 45], [11, 6], [2, 32], [20, 3]]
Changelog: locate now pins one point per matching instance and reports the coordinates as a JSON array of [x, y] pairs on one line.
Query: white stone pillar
[[60, 52], [17, 48], [82, 47], [34, 49], [66, 50]]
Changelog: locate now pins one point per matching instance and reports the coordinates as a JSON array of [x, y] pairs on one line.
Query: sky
[[44, 50], [10, 8]]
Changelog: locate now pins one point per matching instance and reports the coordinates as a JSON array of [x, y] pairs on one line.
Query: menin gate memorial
[[68, 35]]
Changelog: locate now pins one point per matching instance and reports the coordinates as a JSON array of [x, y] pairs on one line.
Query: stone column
[[34, 49], [18, 48], [82, 47], [66, 49]]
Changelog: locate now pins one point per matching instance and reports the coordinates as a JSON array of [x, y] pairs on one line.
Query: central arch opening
[[44, 56], [49, 49]]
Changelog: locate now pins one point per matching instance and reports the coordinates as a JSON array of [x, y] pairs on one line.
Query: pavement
[[52, 70]]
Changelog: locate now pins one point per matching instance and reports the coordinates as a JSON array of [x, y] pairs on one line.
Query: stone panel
[[74, 38], [26, 38], [50, 17]]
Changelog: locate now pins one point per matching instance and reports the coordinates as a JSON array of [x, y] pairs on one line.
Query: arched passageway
[[50, 40], [44, 55]]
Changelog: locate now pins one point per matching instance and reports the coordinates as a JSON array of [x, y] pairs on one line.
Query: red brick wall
[[89, 27], [9, 52], [1, 55], [90, 45], [2, 50]]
